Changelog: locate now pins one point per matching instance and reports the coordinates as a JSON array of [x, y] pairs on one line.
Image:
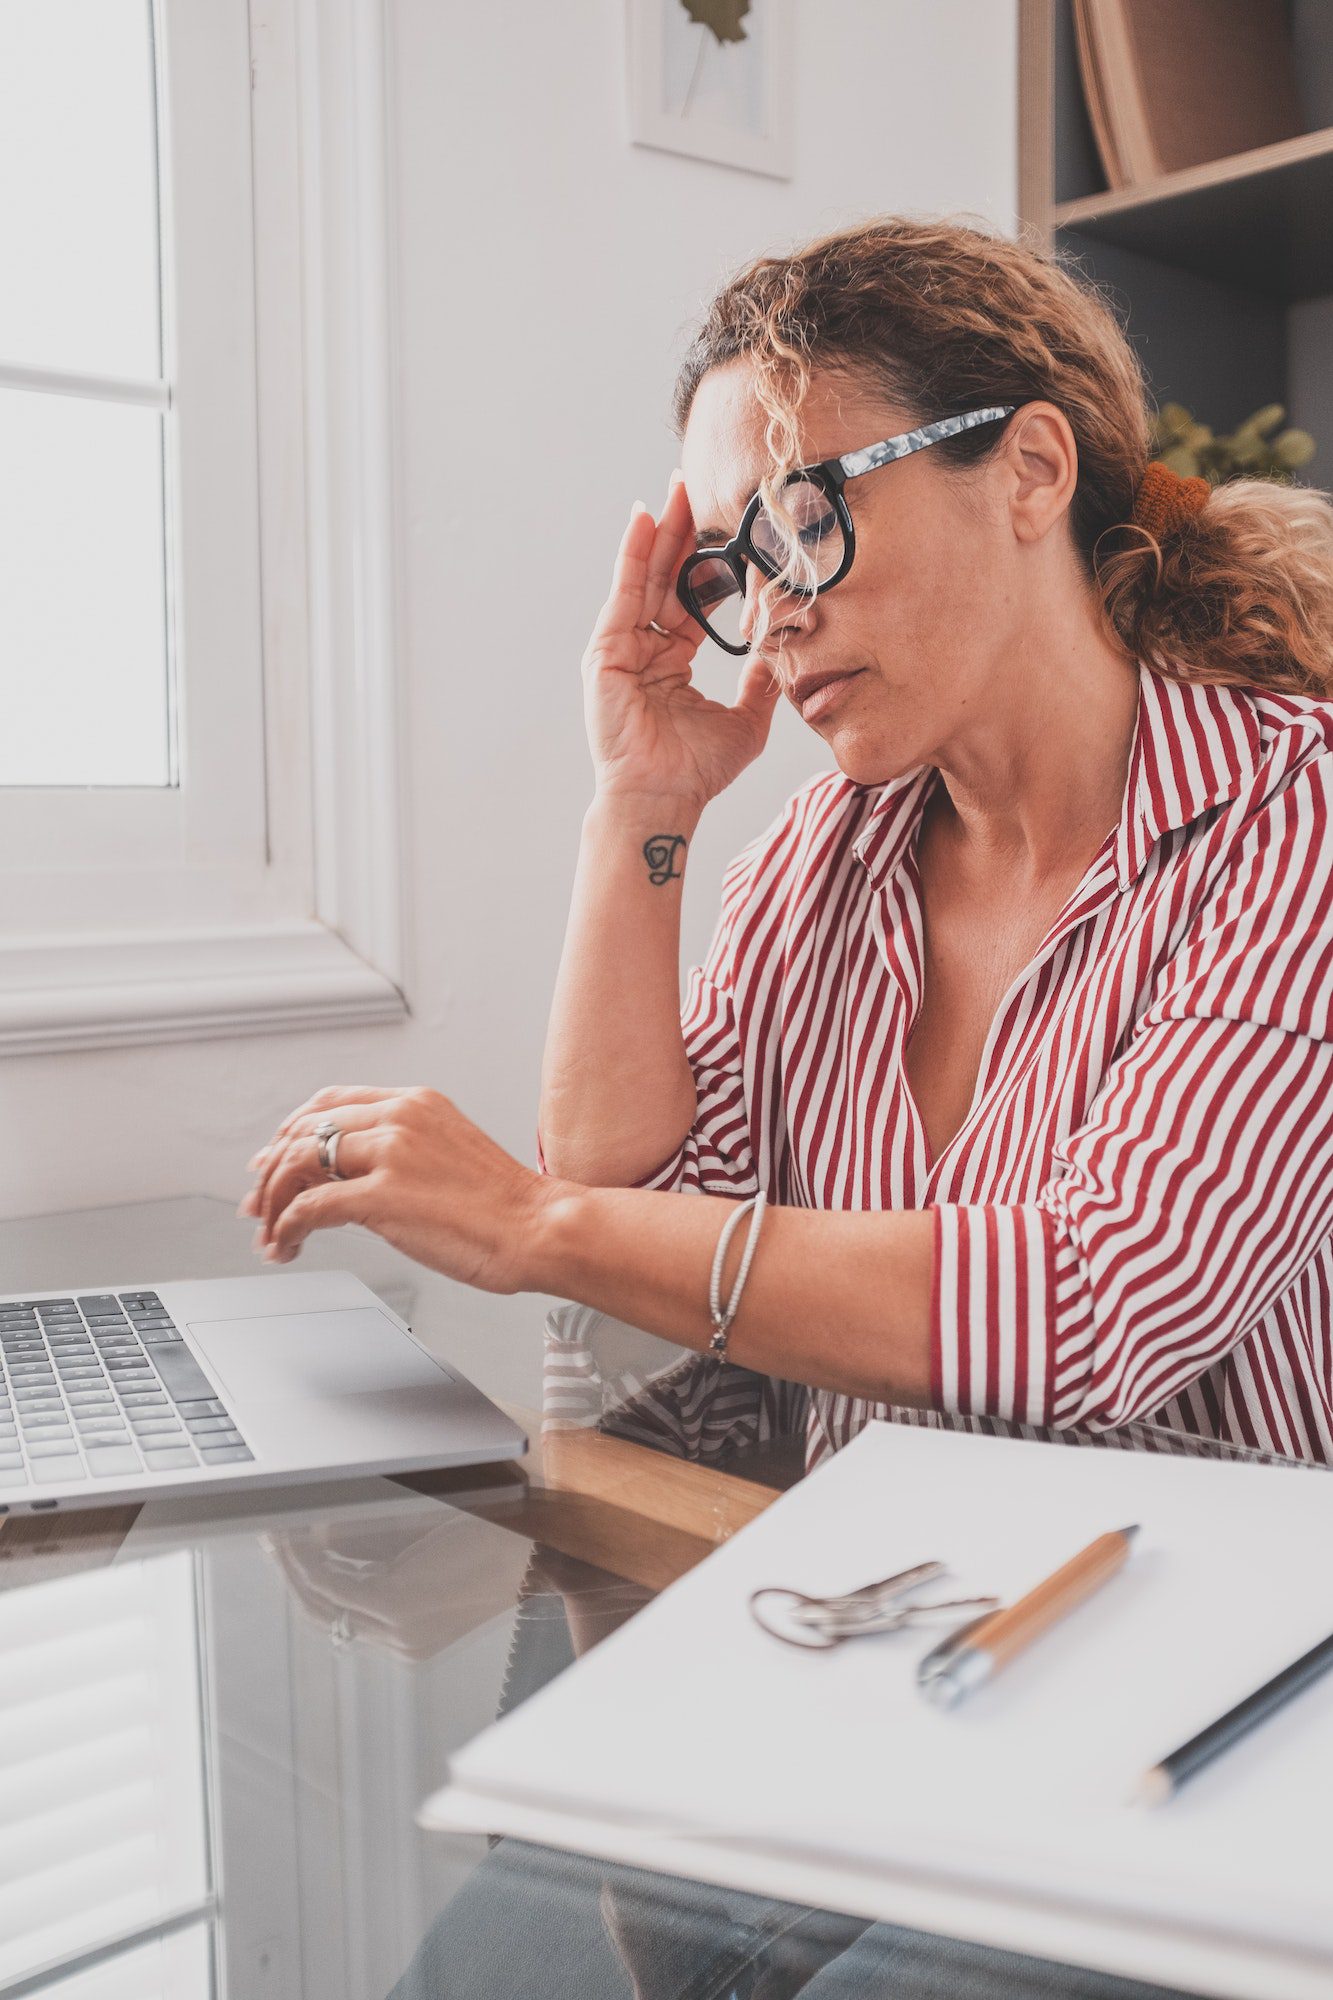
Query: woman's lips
[[823, 698]]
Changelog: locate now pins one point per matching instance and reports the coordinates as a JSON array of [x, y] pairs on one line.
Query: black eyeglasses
[[711, 583]]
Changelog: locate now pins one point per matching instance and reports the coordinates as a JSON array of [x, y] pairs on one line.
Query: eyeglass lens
[[815, 555]]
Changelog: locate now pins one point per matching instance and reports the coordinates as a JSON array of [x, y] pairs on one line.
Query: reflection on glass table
[[217, 1723], [217, 1735]]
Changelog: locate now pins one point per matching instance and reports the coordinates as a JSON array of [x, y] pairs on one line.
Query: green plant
[[1190, 448]]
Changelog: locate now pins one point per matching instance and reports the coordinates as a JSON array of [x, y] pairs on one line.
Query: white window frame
[[267, 891]]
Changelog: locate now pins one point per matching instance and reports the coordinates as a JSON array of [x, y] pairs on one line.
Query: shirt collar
[[1195, 746]]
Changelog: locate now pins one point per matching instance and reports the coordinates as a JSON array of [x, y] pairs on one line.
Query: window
[[193, 435], [84, 634]]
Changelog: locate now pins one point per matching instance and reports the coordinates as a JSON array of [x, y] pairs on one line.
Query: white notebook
[[691, 1741]]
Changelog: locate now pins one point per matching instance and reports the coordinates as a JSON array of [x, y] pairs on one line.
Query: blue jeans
[[534, 1924]]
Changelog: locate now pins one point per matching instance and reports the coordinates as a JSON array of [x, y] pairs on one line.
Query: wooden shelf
[[1222, 275], [1259, 220]]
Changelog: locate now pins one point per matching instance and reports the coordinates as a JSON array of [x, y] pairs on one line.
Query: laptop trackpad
[[314, 1356]]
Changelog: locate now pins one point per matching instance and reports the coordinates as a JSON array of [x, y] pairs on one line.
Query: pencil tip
[[1154, 1788], [1129, 1533]]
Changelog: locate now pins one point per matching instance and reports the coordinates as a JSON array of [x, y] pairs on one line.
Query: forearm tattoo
[[662, 853]]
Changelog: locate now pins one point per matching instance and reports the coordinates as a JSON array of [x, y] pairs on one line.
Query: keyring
[[817, 1623]]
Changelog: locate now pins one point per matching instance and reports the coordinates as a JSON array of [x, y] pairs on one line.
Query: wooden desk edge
[[623, 1506]]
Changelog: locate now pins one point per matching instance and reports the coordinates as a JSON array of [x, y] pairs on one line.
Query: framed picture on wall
[[714, 79]]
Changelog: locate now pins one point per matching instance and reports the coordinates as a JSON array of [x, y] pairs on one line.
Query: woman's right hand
[[651, 732]]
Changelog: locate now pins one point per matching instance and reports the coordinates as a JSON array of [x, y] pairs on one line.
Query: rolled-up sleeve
[[716, 1156], [1201, 1181]]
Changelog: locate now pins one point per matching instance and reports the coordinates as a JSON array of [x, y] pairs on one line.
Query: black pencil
[[1166, 1778]]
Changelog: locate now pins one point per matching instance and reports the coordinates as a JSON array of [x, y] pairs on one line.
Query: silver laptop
[[135, 1391]]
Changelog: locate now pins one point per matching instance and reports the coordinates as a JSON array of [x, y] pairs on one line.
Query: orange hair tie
[[1165, 499]]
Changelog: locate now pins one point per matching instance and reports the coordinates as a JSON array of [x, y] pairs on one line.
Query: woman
[[1021, 1016]]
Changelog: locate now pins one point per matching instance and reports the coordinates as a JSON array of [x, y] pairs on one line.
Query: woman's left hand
[[418, 1173]]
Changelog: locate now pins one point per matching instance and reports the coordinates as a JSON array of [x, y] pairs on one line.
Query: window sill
[[97, 993]]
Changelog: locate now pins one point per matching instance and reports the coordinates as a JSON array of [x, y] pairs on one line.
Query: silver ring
[[326, 1139]]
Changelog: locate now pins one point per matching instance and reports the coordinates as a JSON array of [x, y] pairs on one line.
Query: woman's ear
[[1040, 458]]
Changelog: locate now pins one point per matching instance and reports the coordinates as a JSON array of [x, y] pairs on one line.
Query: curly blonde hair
[[945, 314]]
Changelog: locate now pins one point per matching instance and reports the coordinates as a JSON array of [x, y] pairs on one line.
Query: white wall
[[548, 275]]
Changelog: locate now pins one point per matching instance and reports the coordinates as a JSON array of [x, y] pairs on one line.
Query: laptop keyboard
[[104, 1386]]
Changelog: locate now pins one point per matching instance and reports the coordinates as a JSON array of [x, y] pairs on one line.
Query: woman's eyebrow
[[710, 538]]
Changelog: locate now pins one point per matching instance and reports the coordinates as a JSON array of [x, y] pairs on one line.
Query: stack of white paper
[[691, 1741]]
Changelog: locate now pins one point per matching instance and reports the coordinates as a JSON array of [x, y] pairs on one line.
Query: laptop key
[[155, 1426], [169, 1460], [229, 1454], [50, 1447], [196, 1425], [46, 1471], [105, 1460], [182, 1377]]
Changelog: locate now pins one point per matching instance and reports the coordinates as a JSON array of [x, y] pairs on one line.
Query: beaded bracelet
[[722, 1320]]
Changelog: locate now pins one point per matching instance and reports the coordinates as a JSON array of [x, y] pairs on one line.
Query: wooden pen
[[969, 1657]]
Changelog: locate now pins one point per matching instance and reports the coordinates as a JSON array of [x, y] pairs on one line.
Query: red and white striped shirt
[[1135, 1220]]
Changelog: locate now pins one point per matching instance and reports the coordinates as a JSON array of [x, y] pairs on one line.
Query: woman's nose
[[785, 608]]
